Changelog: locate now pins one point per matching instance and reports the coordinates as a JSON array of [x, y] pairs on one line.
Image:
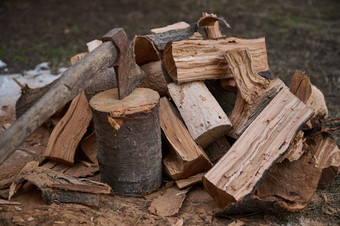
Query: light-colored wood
[[254, 91], [191, 60], [89, 147], [93, 44], [214, 30], [77, 57], [296, 149], [186, 158], [238, 173], [323, 153], [184, 183], [178, 25], [128, 135], [155, 78], [292, 184], [67, 134], [203, 116]]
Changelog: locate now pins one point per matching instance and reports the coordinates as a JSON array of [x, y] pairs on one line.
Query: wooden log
[[175, 26], [65, 137], [238, 173], [324, 154], [186, 158], [156, 78], [212, 31], [296, 149], [217, 149], [191, 60], [89, 147], [184, 183], [59, 188], [229, 84], [255, 92], [203, 116], [77, 57], [68, 86], [128, 140]]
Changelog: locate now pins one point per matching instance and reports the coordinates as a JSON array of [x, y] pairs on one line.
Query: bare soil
[[300, 35]]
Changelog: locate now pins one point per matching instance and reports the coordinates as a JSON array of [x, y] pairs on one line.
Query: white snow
[[2, 64], [10, 91]]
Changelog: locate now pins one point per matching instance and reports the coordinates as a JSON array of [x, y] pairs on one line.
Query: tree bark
[[128, 140]]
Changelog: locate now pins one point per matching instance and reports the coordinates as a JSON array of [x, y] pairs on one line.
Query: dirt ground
[[300, 35]]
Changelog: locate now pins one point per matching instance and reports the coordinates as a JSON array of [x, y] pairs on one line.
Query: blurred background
[[300, 35]]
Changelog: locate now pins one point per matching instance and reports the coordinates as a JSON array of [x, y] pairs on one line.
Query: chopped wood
[[169, 203], [238, 173], [89, 147], [78, 57], [184, 183], [6, 202], [255, 92], [296, 149], [175, 26], [128, 140], [213, 29], [191, 60], [323, 153], [186, 158], [291, 183], [156, 78], [320, 124], [203, 116], [57, 187], [145, 50], [217, 149], [93, 44], [67, 134], [229, 84]]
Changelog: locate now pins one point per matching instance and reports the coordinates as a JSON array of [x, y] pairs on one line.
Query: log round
[[128, 140]]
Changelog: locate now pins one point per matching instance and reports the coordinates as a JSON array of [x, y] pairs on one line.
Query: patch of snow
[[2, 64], [10, 91]]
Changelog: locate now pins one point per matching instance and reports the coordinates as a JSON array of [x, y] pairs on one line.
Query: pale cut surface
[[141, 99], [237, 174], [186, 158], [203, 116], [178, 25], [192, 60]]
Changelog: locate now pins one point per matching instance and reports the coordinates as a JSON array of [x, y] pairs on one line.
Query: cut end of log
[[175, 26], [145, 50]]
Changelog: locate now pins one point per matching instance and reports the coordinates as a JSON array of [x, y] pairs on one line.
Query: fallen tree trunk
[[68, 86], [192, 60], [186, 158], [238, 173], [204, 117], [128, 140]]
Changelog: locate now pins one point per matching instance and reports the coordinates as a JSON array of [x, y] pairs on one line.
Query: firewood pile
[[207, 110]]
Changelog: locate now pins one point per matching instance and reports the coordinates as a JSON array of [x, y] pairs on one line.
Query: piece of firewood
[[156, 78], [178, 25], [93, 44], [78, 57], [291, 183], [145, 50], [254, 91], [212, 31], [59, 188], [184, 183], [217, 149], [191, 60], [89, 147], [205, 119], [323, 153], [186, 158], [67, 134], [266, 139], [296, 149], [229, 84], [320, 124], [129, 140]]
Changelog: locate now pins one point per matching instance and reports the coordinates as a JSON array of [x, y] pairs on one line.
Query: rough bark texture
[[128, 140], [155, 78], [67, 134], [238, 173], [203, 116], [59, 188], [254, 91], [191, 60], [145, 50], [186, 158], [70, 84]]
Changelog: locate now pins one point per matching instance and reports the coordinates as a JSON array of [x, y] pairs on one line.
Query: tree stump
[[128, 140]]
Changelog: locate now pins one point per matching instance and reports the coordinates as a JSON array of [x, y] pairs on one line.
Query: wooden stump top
[[140, 100]]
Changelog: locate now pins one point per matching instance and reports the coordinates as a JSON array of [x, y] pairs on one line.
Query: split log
[[238, 173], [212, 31], [229, 84], [186, 158], [145, 50], [66, 136], [93, 44], [128, 140], [89, 147], [203, 116], [59, 188], [175, 26], [323, 153], [184, 183], [254, 91], [320, 124], [217, 149], [296, 149], [191, 60], [156, 78], [78, 57]]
